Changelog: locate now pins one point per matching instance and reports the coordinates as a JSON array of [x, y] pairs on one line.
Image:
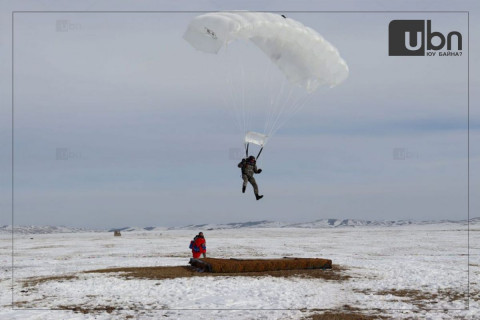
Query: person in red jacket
[[199, 246]]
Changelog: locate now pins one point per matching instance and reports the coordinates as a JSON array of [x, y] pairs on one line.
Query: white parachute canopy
[[306, 61], [302, 54]]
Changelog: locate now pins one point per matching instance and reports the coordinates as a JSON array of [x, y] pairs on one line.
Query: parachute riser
[[259, 153], [246, 151]]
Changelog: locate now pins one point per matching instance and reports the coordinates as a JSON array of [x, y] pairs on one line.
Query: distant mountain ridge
[[42, 229], [317, 224], [322, 223]]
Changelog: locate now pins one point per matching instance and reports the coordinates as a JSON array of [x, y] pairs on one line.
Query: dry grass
[[21, 304], [85, 310], [329, 315], [32, 282], [424, 299], [347, 312], [158, 273]]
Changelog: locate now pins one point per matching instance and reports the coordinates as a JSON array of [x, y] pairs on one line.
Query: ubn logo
[[408, 38]]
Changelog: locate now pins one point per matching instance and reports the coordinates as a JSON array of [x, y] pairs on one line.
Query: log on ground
[[258, 265]]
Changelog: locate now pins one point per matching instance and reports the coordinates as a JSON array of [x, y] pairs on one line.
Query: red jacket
[[199, 246]]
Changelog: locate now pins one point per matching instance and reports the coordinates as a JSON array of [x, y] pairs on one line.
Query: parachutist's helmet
[[251, 158]]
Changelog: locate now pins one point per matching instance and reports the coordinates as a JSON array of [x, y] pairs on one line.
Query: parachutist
[[249, 168], [284, 16]]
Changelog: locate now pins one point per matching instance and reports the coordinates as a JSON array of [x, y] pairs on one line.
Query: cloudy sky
[[119, 121]]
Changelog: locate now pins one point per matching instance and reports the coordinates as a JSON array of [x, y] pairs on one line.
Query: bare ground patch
[[339, 315], [425, 299], [85, 310], [32, 282], [337, 273], [347, 312]]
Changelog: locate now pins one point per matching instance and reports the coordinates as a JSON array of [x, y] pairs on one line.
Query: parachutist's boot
[[258, 197], [244, 188]]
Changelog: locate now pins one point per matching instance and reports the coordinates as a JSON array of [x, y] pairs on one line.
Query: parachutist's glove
[[259, 171]]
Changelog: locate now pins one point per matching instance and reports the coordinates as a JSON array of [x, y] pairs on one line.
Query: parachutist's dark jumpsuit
[[248, 169]]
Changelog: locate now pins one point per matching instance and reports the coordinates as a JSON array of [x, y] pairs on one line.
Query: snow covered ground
[[411, 271]]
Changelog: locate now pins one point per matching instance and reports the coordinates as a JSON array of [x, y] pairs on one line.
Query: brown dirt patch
[[337, 273], [475, 295], [85, 310], [344, 316], [31, 282], [346, 312], [424, 299]]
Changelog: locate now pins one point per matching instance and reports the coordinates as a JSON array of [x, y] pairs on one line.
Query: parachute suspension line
[[288, 114], [269, 109], [247, 97], [238, 72], [275, 105], [229, 94], [266, 89], [296, 108], [280, 99], [287, 105], [274, 96], [274, 102], [246, 149], [232, 101], [245, 94], [245, 110], [235, 95], [281, 110]]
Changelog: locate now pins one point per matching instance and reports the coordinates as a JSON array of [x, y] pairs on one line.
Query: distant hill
[[317, 224], [130, 229], [237, 225], [41, 229], [322, 223]]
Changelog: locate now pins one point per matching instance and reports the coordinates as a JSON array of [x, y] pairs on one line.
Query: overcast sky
[[119, 121]]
